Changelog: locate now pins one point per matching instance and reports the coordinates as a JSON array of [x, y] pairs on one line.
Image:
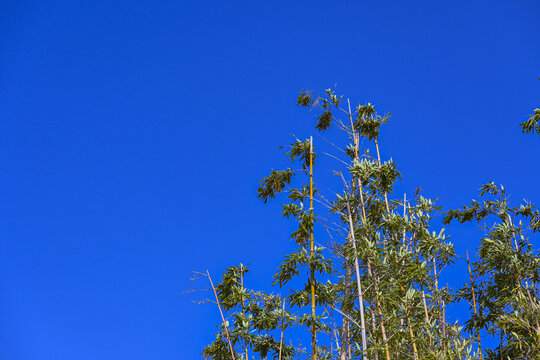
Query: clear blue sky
[[133, 135]]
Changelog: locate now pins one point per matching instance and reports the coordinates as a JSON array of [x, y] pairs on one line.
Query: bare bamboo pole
[[359, 284], [222, 317], [371, 273], [474, 304], [312, 253]]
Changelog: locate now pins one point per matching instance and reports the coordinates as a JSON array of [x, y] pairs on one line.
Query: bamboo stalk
[[371, 273], [359, 284], [374, 326], [474, 304], [533, 306], [404, 214], [312, 252], [379, 310], [444, 318], [282, 329], [222, 317]]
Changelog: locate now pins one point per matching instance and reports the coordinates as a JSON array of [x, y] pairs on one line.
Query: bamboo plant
[[365, 279]]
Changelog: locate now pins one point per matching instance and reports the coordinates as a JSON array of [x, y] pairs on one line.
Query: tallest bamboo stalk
[[312, 253], [356, 138]]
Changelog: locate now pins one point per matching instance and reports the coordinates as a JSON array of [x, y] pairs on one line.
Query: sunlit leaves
[[301, 150], [274, 184], [508, 307], [367, 122], [304, 98], [532, 125]]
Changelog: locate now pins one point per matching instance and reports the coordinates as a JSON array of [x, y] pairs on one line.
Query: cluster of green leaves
[[532, 124]]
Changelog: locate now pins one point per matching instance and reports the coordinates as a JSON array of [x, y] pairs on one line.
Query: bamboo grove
[[364, 281]]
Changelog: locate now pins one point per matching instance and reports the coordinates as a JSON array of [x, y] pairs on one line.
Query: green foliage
[[367, 122], [377, 178], [274, 184], [532, 125], [505, 274], [301, 149]]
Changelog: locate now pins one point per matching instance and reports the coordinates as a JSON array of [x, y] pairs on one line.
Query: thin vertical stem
[[312, 254], [474, 304], [243, 307], [222, 317], [345, 322], [404, 215]]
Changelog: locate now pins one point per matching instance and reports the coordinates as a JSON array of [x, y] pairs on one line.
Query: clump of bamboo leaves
[[532, 124], [374, 291]]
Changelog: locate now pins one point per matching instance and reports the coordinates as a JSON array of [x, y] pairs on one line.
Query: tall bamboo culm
[[356, 138], [312, 252], [359, 284]]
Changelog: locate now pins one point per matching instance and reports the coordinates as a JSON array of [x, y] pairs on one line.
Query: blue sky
[[133, 136]]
